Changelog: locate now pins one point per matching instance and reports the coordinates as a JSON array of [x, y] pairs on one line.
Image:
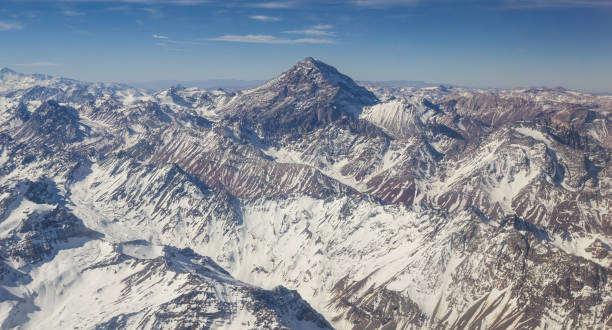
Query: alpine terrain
[[308, 202]]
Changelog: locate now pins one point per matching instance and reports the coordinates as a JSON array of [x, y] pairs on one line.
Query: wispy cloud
[[181, 2], [38, 64], [276, 4], [153, 11], [178, 2], [144, 2], [164, 41], [311, 32], [383, 3], [280, 4], [321, 30], [556, 3], [8, 26], [120, 8], [323, 27], [268, 39], [265, 18], [72, 13], [182, 42], [496, 3]]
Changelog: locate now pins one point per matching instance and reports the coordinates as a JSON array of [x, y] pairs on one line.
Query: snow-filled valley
[[308, 202]]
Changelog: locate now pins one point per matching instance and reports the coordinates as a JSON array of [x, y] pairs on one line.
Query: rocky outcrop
[[307, 202]]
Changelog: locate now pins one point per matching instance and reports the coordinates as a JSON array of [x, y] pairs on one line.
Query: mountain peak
[[314, 64], [312, 67], [316, 76], [309, 95], [6, 70], [53, 124]]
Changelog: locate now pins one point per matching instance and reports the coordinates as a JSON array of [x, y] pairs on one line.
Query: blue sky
[[495, 43]]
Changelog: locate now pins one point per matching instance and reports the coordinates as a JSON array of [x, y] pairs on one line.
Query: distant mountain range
[[212, 84], [401, 83], [233, 85], [308, 201]]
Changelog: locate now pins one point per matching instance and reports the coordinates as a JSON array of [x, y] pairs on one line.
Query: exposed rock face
[[308, 96], [52, 124], [308, 202], [36, 237], [501, 267], [203, 295]]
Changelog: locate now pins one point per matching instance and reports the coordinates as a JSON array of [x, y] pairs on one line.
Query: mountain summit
[[6, 70], [308, 95], [321, 75]]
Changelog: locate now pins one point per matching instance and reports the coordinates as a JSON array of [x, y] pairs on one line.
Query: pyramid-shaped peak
[[311, 63], [313, 79], [311, 94], [312, 71], [6, 70]]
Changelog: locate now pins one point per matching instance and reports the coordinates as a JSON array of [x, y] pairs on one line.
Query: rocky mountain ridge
[[381, 207]]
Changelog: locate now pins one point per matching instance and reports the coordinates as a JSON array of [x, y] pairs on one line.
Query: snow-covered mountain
[[307, 202]]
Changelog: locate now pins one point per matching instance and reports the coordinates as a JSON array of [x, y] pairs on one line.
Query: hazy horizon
[[486, 44], [242, 84]]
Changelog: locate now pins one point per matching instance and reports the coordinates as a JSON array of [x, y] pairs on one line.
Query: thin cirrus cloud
[[322, 30], [265, 18], [9, 26], [527, 4], [164, 41], [146, 2], [73, 13], [362, 3], [323, 27], [383, 3], [268, 39], [276, 4]]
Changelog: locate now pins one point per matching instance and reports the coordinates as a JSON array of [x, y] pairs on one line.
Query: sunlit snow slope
[[308, 202]]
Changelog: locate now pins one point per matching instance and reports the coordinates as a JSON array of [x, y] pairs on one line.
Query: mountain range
[[310, 201]]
